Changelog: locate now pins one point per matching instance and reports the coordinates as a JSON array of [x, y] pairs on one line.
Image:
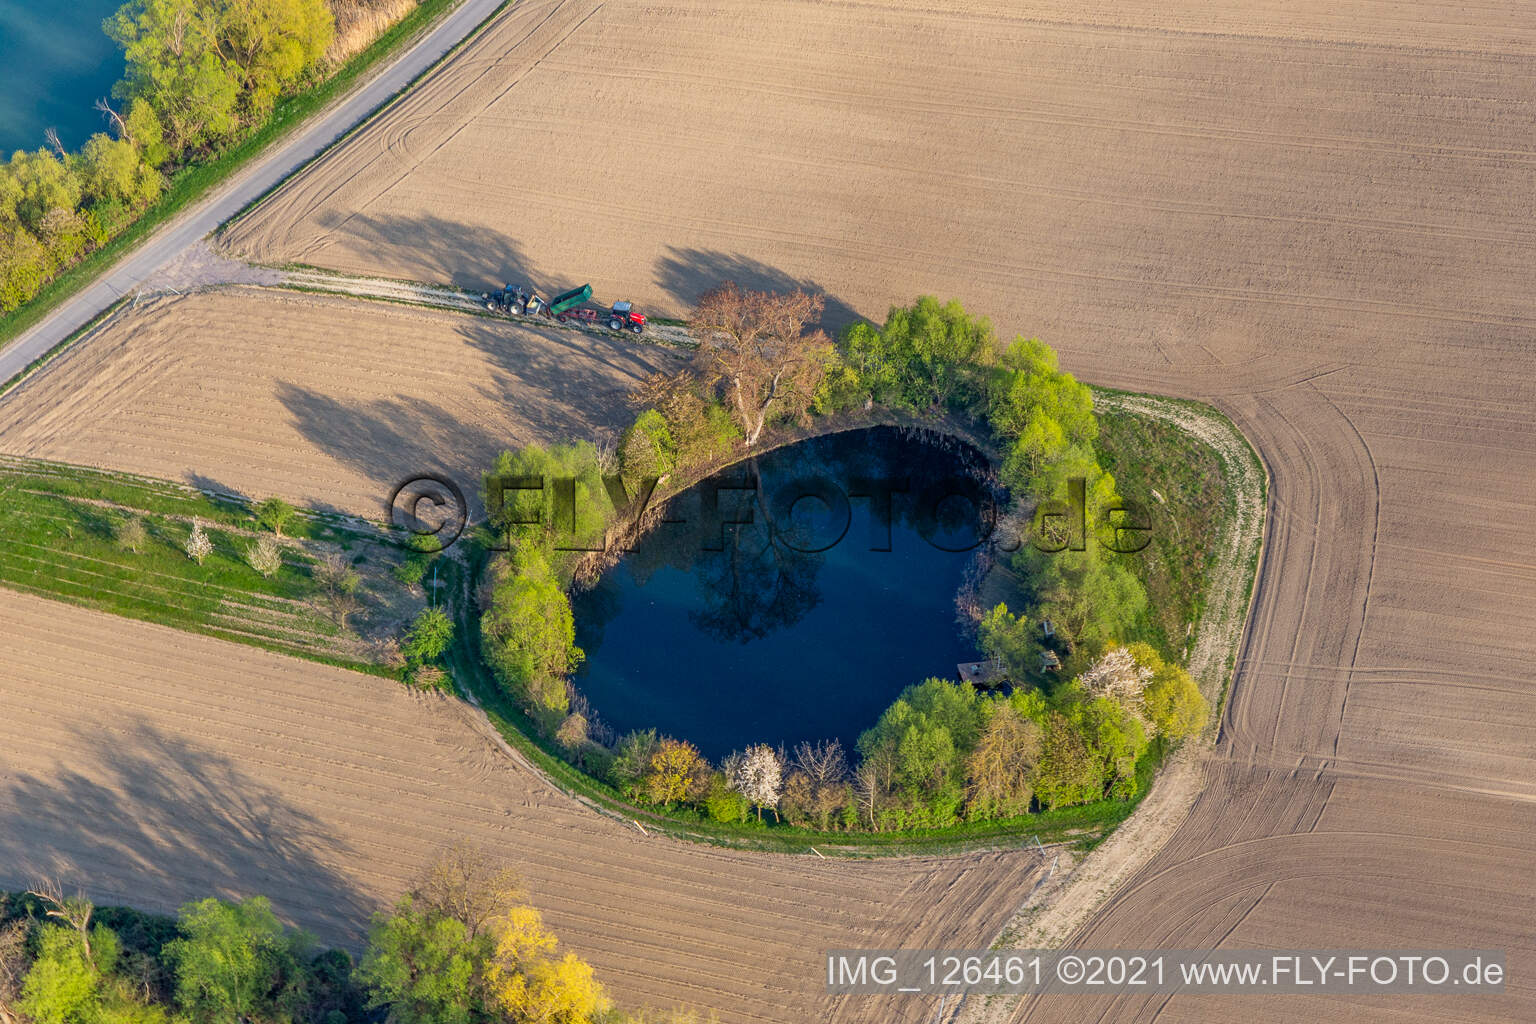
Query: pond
[[814, 610], [55, 63]]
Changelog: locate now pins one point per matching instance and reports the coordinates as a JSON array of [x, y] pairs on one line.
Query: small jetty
[[984, 675]]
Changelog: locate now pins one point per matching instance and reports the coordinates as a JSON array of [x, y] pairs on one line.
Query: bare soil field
[[209, 767], [1316, 217], [327, 402]]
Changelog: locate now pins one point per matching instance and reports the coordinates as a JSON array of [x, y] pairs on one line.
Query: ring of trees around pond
[[1086, 708]]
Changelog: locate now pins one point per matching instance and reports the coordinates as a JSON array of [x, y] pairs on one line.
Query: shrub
[[430, 635], [647, 448], [725, 804], [132, 534], [411, 571], [265, 556], [430, 677]]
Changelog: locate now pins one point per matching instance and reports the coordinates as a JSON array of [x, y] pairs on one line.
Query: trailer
[[569, 300], [567, 307]]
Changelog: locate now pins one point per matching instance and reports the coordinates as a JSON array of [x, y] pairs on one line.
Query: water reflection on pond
[[804, 622]]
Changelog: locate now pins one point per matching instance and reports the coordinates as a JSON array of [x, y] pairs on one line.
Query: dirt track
[[1316, 217], [328, 402]]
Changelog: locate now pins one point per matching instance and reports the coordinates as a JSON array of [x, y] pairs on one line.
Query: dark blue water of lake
[[55, 62], [778, 642]]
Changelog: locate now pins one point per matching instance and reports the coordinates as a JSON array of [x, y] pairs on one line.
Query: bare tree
[[826, 771], [53, 141], [824, 762], [469, 885], [118, 124], [338, 582], [75, 911], [867, 790], [758, 345]]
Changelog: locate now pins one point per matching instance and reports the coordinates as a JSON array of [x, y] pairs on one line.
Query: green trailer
[[567, 300]]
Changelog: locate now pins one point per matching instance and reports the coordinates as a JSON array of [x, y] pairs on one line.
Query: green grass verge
[[194, 181], [1184, 486], [62, 543], [1087, 824]]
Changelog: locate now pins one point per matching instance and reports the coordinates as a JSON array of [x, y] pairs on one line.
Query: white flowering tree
[[199, 546], [1118, 676], [265, 556], [756, 773]]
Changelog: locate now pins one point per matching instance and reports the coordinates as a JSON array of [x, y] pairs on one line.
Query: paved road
[[211, 211]]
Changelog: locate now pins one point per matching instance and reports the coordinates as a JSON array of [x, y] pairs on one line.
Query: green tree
[[234, 961], [918, 745], [429, 636], [272, 43], [1069, 772], [1119, 739], [551, 498], [142, 127], [423, 965], [114, 170], [1008, 640], [1173, 702], [42, 184], [530, 634], [174, 65], [632, 759], [1090, 597], [1032, 389], [24, 266], [274, 514], [64, 984], [925, 357]]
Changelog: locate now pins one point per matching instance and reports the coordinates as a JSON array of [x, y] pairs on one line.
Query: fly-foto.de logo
[[811, 513]]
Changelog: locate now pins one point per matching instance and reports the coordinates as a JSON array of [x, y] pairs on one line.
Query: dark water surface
[[760, 642], [55, 62]]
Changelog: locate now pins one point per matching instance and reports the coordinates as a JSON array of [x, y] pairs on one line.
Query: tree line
[[461, 947], [199, 75], [942, 752]]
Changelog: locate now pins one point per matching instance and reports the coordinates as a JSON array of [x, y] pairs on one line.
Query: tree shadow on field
[[392, 440], [468, 255], [686, 274], [566, 383], [154, 822], [217, 488]]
